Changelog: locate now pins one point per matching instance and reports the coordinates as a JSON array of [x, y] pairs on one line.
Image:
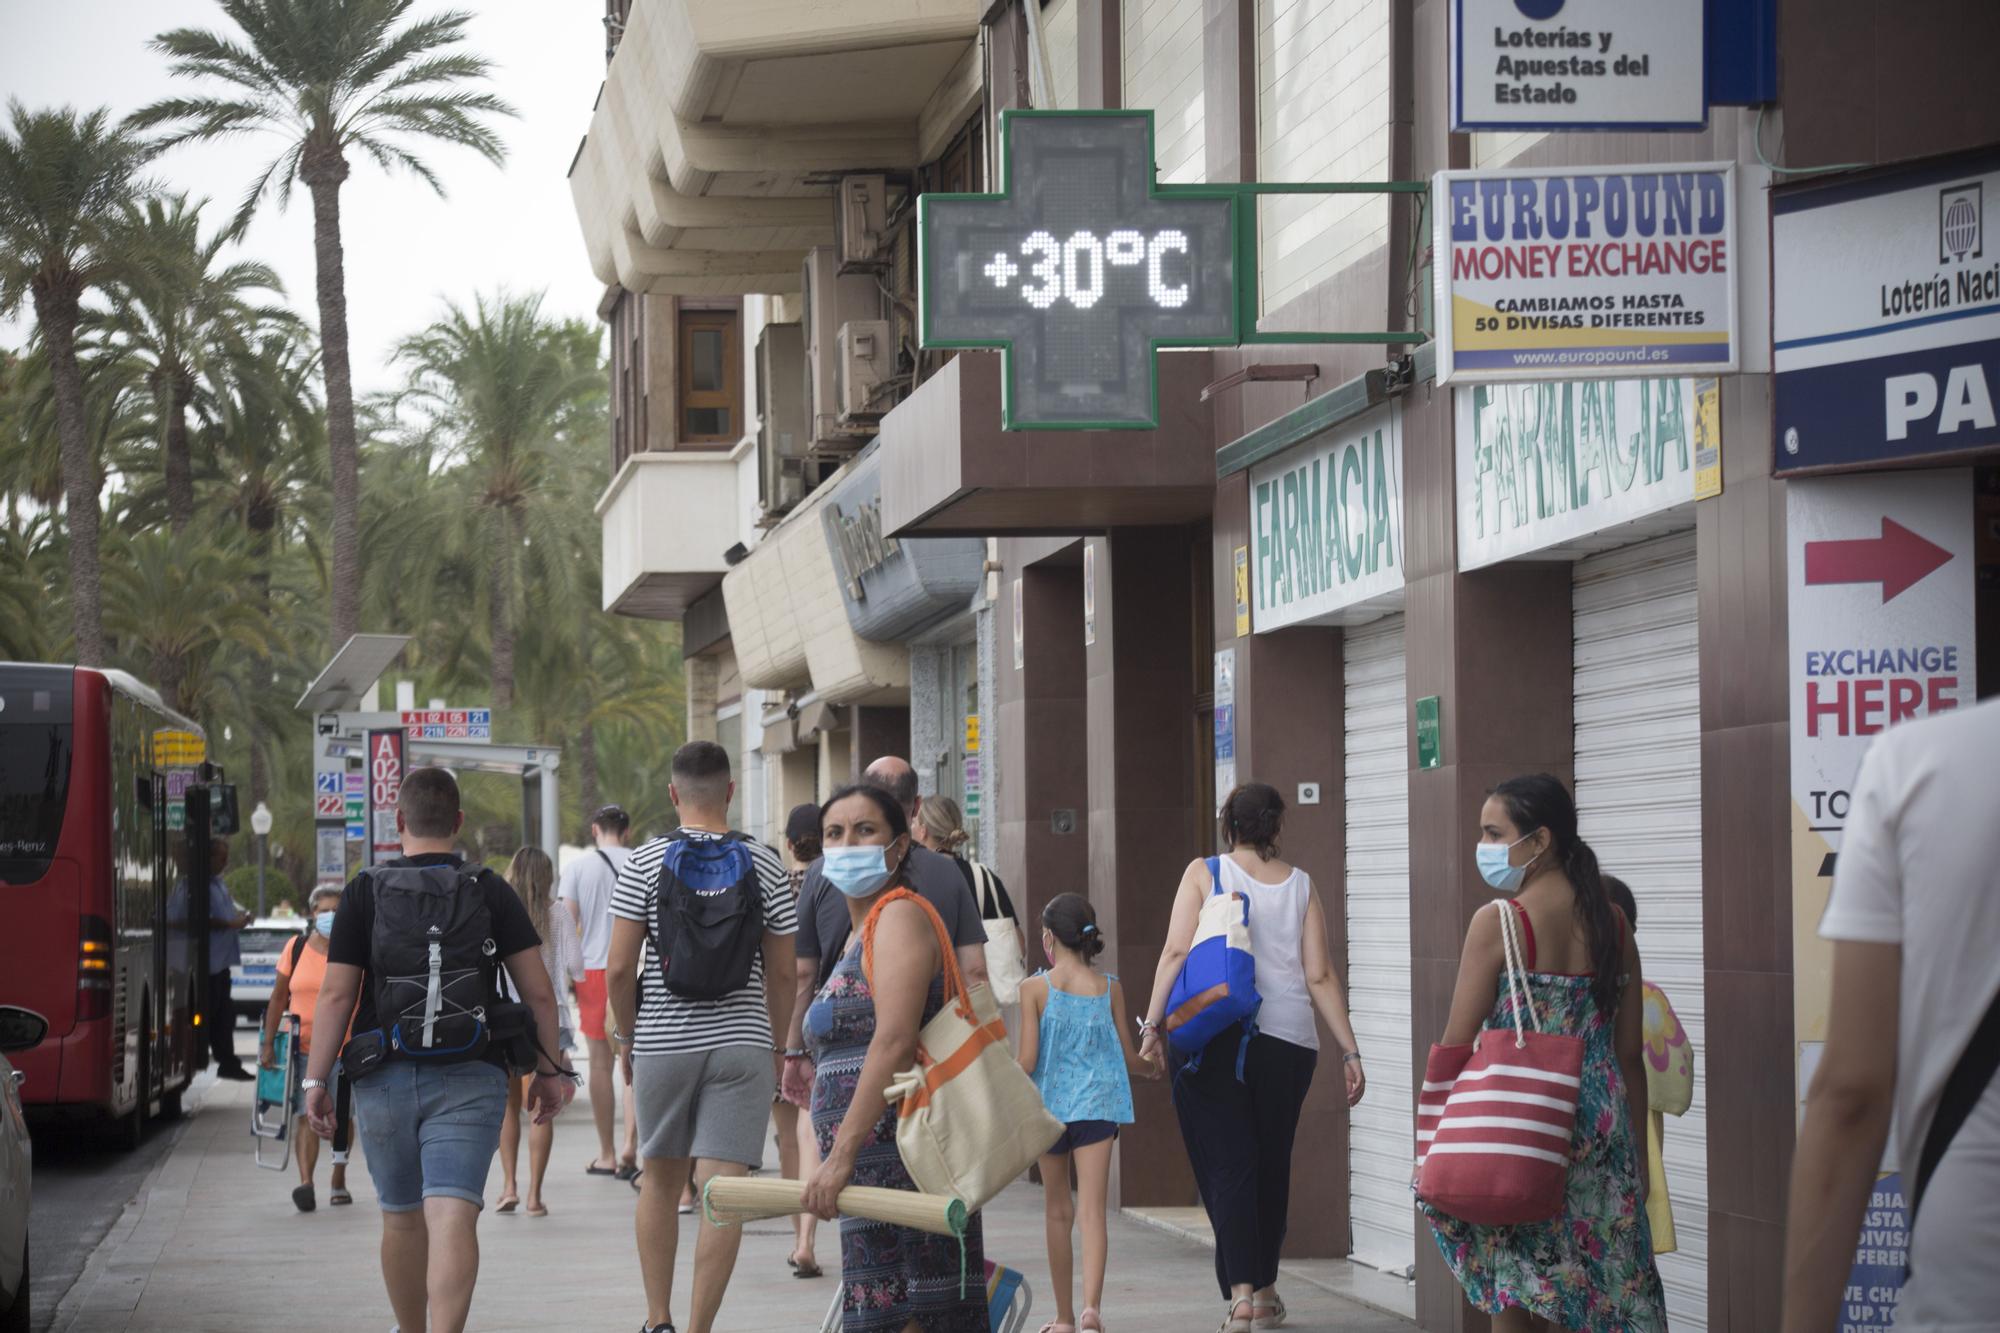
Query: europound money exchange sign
[[1083, 266], [1579, 273]]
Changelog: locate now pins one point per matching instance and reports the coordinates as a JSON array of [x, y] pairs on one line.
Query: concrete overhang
[[948, 468], [654, 568], [720, 120]]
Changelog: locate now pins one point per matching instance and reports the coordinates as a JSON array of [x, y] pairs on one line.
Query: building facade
[[1693, 596]]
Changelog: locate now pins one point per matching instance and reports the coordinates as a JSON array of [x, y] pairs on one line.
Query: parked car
[[251, 980], [20, 1029]]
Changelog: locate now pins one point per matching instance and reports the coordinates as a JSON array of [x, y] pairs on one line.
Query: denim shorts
[[430, 1131]]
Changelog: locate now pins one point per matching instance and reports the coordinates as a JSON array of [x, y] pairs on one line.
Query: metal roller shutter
[[1638, 794], [1383, 1127]]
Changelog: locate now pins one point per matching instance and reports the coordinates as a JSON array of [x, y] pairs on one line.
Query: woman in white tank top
[[1239, 1130]]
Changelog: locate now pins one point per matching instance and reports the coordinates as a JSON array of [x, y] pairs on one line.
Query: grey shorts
[[712, 1104]]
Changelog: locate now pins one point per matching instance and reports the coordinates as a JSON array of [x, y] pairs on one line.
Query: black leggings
[[221, 1021], [1239, 1140]]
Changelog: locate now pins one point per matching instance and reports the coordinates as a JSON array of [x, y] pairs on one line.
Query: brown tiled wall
[[1140, 689]]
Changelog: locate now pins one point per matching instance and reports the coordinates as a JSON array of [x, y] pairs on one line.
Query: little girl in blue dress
[[1076, 1045]]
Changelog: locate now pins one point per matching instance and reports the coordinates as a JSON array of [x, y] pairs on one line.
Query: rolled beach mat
[[733, 1200]]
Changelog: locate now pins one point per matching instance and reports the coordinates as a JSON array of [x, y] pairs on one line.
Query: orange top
[[307, 978]]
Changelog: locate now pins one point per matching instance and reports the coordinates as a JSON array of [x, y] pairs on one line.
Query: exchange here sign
[[1578, 274], [1327, 525], [1541, 65], [1886, 317]]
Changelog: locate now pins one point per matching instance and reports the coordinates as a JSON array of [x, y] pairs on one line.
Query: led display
[[1078, 270]]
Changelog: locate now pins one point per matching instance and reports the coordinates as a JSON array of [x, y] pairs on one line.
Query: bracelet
[[1351, 1058], [796, 1053]]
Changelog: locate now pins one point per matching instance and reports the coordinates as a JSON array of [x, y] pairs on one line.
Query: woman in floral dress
[[1590, 1269], [863, 1027]]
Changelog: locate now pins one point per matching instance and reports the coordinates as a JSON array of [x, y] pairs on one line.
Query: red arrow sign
[[1898, 560]]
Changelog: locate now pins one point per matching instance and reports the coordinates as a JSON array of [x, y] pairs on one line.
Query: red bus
[[90, 933]]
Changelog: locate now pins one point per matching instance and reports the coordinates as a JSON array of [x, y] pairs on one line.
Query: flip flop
[[593, 1169], [508, 1203], [536, 1210], [809, 1270], [625, 1171]]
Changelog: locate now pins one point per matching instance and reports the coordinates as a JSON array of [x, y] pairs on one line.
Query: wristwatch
[[308, 1084]]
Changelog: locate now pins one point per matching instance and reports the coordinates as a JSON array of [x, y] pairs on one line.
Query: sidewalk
[[213, 1244]]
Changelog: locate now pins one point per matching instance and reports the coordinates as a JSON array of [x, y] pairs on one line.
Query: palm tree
[[500, 381], [187, 320], [63, 178], [169, 599], [330, 77]]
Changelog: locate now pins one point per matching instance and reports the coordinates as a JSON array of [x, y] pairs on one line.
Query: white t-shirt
[[588, 882], [668, 1023], [1277, 933], [1919, 866]]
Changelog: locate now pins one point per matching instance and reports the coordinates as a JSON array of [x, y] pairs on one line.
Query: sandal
[[624, 1170], [1275, 1319], [340, 1196], [536, 1210], [1089, 1321], [302, 1198], [508, 1202], [1053, 1327], [591, 1168], [1232, 1324], [810, 1268]]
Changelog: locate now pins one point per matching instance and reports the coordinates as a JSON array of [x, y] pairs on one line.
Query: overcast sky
[[407, 249]]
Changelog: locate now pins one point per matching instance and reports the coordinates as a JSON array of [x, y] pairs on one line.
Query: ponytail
[[1540, 801]]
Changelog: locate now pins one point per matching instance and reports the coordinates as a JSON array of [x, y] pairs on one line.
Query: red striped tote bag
[[1496, 1117]]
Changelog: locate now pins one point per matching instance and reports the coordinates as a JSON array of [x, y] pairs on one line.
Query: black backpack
[[432, 962], [708, 916]]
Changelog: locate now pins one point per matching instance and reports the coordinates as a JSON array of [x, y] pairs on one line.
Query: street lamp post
[[260, 824]]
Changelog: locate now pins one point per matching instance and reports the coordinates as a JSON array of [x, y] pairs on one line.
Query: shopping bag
[[969, 1120], [1496, 1117], [1217, 985]]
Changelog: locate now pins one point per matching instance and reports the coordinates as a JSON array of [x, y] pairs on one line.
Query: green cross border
[[1248, 278]]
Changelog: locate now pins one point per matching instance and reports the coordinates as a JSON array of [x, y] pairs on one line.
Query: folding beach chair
[[1008, 1300], [276, 1099]]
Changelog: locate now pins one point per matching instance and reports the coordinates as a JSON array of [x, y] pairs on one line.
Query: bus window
[[34, 777]]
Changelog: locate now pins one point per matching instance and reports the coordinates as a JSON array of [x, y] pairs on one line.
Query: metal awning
[[359, 664]]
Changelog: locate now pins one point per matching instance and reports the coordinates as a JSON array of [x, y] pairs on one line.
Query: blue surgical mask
[[323, 922], [1495, 869], [857, 872]]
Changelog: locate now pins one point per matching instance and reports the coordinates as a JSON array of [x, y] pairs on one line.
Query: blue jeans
[[430, 1131]]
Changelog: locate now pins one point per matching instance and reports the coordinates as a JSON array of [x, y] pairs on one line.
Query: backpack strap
[[954, 980], [606, 859], [298, 947], [1962, 1091]]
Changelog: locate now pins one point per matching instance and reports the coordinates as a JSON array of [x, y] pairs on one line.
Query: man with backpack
[[585, 890], [414, 961], [711, 911]]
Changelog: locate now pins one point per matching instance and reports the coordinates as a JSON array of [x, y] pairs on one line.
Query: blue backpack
[[1217, 987], [708, 917]]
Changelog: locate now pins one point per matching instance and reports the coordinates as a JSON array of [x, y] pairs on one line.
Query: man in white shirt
[[1915, 920], [587, 883]]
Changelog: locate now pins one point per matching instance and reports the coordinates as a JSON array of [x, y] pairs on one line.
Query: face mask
[[323, 922], [1494, 867], [857, 871]]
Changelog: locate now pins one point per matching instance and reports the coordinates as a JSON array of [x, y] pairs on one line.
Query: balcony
[[703, 172], [667, 518]]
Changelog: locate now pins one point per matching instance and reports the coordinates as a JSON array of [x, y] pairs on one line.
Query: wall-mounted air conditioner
[[861, 224], [831, 300], [866, 360], [783, 441]]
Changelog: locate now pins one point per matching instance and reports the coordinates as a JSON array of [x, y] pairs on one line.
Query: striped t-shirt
[[671, 1024]]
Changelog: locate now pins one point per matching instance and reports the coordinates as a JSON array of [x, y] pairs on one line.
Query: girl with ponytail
[[1590, 1268]]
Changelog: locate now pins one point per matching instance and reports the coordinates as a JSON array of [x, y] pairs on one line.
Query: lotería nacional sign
[[1885, 311], [1562, 65], [1082, 267], [1326, 523], [1548, 468], [1579, 273]]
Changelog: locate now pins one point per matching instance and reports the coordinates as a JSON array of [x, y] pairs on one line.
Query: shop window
[[711, 377]]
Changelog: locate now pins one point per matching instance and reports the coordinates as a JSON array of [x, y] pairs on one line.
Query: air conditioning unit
[[783, 442], [831, 300], [866, 360], [861, 224]]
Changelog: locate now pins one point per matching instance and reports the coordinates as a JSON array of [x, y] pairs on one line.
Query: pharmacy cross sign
[[1082, 267]]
